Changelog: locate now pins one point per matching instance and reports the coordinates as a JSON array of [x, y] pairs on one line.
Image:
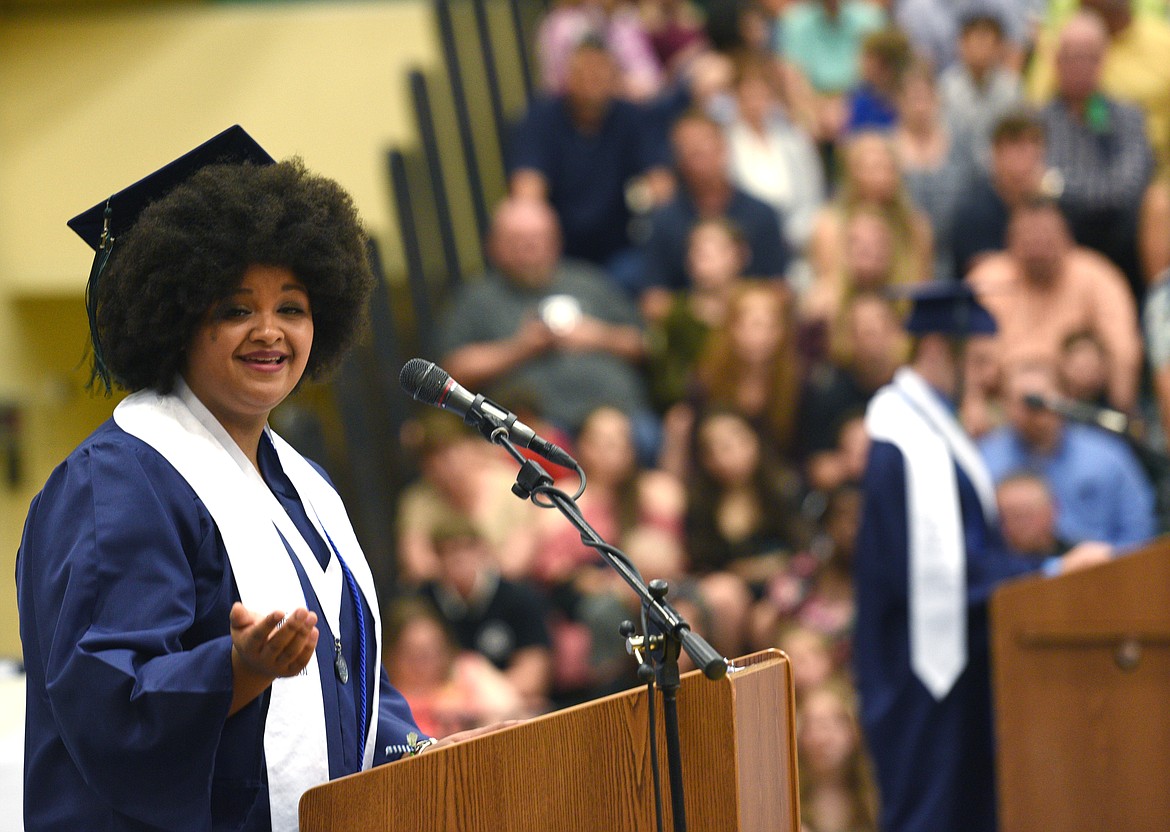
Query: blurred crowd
[[694, 287]]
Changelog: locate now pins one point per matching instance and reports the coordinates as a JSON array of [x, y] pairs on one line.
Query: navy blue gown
[[934, 759], [124, 589]]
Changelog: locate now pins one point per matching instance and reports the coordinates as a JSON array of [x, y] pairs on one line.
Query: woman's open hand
[[265, 648]]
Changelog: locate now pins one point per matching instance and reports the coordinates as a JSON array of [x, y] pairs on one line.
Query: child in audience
[[885, 56], [810, 654], [1084, 369], [837, 792], [681, 322], [448, 689], [1027, 513]]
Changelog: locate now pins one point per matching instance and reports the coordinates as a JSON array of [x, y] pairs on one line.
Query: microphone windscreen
[[1035, 401], [423, 380]]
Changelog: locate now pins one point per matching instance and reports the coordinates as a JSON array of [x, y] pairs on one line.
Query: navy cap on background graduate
[[947, 308]]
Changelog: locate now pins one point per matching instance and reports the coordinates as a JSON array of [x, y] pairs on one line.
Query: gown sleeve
[[395, 721], [132, 677]]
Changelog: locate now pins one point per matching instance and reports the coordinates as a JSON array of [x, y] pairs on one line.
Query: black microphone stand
[[671, 633]]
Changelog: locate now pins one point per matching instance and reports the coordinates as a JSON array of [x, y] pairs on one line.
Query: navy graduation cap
[[115, 215], [102, 224], [946, 308]]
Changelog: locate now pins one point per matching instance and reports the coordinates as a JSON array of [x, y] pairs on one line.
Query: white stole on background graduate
[[908, 414], [248, 516]]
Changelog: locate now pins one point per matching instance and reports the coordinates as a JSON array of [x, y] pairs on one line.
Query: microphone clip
[[485, 420], [530, 478]]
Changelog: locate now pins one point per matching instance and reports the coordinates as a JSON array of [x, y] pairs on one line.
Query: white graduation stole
[[248, 517], [908, 414]]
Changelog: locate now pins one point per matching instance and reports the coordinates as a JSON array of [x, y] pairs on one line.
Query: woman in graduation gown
[[200, 629]]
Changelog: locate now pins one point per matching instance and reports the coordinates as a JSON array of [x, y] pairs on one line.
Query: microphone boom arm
[[532, 482]]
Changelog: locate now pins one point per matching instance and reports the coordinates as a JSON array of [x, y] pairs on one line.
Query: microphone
[[428, 383], [1105, 418]]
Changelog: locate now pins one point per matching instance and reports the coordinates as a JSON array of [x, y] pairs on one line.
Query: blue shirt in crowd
[[1100, 489], [587, 173]]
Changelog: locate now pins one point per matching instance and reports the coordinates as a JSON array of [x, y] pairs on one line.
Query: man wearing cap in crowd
[[929, 553]]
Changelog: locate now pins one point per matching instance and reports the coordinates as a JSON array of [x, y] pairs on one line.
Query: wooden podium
[[1081, 670], [588, 768]]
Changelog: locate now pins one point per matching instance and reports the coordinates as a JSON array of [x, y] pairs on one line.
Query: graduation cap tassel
[[98, 371]]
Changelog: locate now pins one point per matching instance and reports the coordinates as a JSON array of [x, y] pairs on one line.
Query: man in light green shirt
[[823, 39]]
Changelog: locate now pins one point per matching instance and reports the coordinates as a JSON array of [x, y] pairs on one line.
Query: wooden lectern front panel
[[1082, 697], [588, 768]]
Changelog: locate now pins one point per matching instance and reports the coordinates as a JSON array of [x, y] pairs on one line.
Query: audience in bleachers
[[1100, 489], [1098, 146], [937, 162], [980, 87], [1017, 174], [504, 620], [706, 189], [871, 178], [772, 158], [1043, 288], [582, 151], [724, 443], [1027, 513], [556, 324], [681, 322]]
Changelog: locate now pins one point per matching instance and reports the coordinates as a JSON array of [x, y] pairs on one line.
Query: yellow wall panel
[[90, 101]]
